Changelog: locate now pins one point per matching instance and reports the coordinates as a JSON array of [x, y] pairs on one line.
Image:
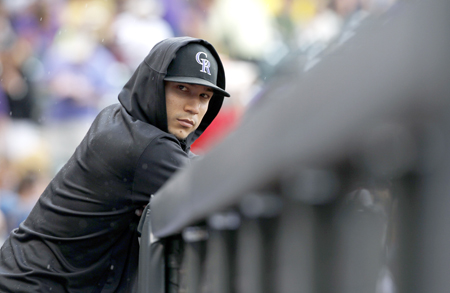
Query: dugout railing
[[337, 179]]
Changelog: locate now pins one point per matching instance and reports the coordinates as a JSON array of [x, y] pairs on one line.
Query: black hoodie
[[81, 235]]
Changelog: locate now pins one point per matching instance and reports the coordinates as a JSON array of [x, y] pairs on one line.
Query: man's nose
[[193, 106]]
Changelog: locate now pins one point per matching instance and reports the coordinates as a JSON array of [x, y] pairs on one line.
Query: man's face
[[186, 105]]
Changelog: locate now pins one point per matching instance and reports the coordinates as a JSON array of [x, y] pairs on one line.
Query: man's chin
[[180, 136]]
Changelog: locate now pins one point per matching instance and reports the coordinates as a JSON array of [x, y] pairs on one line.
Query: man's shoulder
[[115, 119], [165, 144], [116, 133]]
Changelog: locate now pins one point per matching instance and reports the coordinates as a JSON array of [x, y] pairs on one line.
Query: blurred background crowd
[[62, 61]]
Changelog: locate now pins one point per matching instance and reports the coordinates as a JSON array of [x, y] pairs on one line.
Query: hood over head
[[143, 96]]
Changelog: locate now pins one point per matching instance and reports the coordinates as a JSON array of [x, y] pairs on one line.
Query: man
[[81, 235]]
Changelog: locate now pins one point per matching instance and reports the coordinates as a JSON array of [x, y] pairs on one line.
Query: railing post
[[194, 258], [151, 277], [256, 240], [220, 266]]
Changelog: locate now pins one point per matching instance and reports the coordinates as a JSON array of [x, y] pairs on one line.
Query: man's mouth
[[186, 122]]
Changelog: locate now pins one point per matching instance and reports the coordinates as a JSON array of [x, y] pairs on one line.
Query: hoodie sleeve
[[160, 160]]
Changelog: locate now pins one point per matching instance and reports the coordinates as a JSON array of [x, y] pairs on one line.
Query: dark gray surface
[[395, 69]]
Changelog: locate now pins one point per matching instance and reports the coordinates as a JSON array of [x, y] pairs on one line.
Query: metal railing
[[336, 181]]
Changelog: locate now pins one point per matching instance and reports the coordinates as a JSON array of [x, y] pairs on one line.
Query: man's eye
[[182, 87], [206, 96]]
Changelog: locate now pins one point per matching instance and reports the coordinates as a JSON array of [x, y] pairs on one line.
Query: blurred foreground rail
[[337, 180]]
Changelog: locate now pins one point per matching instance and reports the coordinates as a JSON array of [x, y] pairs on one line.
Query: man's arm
[[159, 161]]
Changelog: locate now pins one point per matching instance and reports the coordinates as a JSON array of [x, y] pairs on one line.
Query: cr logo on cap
[[203, 62]]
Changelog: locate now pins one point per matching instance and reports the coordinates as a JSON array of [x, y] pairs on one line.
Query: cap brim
[[194, 80]]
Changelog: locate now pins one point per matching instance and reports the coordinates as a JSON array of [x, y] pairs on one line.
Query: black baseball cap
[[195, 64]]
